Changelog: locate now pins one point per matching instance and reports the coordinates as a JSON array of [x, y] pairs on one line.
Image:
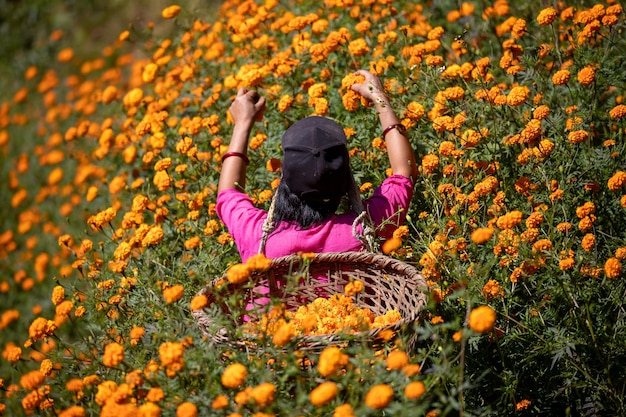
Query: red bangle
[[398, 126], [237, 154]]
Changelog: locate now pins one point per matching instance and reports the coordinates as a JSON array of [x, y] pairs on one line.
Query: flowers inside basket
[[327, 298]]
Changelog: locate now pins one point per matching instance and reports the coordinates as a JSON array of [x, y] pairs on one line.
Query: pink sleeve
[[243, 220], [389, 203]]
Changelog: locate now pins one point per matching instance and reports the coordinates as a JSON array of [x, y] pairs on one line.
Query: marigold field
[[109, 166]]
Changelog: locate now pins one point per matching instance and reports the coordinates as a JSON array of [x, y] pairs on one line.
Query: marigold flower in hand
[[482, 319]]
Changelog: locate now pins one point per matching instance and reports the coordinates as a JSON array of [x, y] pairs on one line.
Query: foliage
[[109, 227]]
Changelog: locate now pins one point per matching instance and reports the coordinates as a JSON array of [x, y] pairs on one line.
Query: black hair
[[288, 207]]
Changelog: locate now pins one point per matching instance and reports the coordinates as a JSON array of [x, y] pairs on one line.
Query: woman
[[315, 176]]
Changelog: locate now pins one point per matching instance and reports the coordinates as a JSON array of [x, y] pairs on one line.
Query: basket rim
[[293, 260]]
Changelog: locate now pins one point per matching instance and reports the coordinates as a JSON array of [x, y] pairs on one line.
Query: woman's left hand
[[248, 107]]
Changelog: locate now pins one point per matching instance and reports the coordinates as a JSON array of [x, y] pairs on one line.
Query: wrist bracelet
[[398, 126], [237, 154]]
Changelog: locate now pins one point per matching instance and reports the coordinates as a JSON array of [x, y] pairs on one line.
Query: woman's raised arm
[[247, 108], [399, 150]]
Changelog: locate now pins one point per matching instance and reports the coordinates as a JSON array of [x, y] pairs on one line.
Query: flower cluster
[[516, 115]]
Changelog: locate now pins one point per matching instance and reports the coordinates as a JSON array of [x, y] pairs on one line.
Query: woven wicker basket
[[389, 284]]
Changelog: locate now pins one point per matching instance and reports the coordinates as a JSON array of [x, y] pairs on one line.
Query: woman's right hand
[[371, 88], [248, 107]]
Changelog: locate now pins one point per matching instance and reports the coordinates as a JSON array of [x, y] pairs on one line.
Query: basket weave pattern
[[389, 284]]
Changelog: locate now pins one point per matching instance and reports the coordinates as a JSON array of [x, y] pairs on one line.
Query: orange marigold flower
[[542, 245], [323, 393], [541, 112], [170, 11], [65, 55], [173, 293], [353, 288], [482, 235], [588, 242], [379, 396], [283, 334], [414, 390], [454, 93], [219, 402], [482, 319], [32, 379], [547, 16], [522, 405], [561, 77], [492, 289], [46, 367], [149, 72], [199, 302], [153, 237], [192, 242], [187, 409], [391, 245], [517, 95], [587, 75], [612, 268], [344, 410], [12, 353], [577, 136], [171, 353], [40, 328], [331, 360], [238, 273], [133, 97], [58, 295], [258, 262], [617, 181], [113, 355], [136, 333], [414, 111], [509, 220], [429, 163], [585, 210], [263, 394], [234, 375], [618, 111], [397, 359]]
